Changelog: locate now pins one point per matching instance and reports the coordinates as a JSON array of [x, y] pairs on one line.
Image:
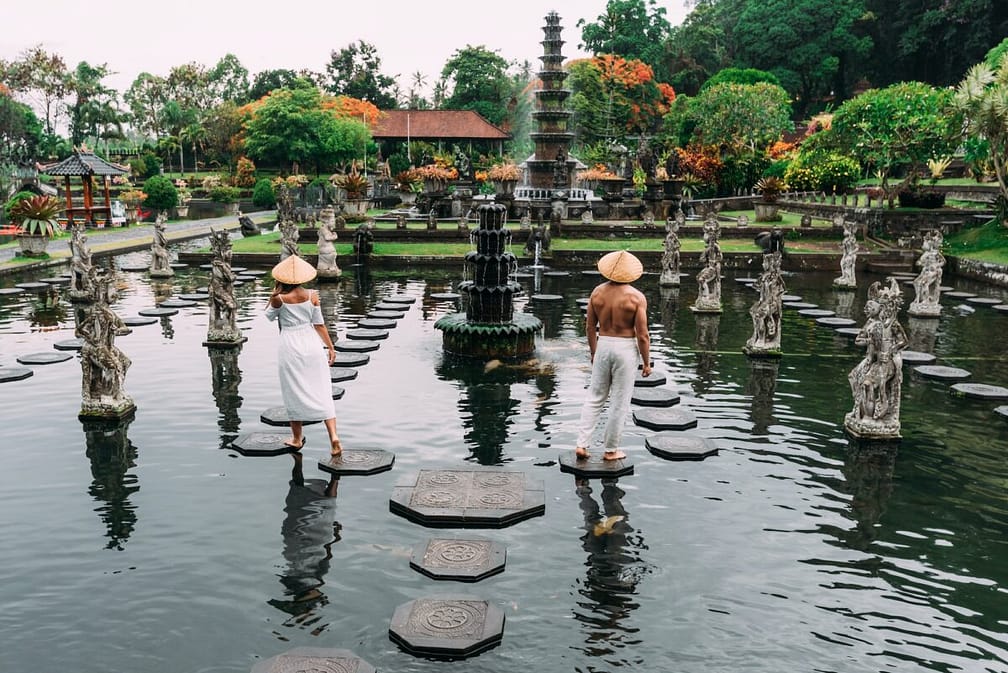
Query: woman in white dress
[[305, 383]]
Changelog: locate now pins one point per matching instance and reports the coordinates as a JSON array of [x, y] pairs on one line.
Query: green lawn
[[986, 243]]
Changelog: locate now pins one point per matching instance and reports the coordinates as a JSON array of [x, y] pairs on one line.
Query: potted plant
[[505, 177], [595, 177], [407, 185], [769, 188], [35, 218], [184, 197], [356, 187], [435, 178], [226, 195], [132, 198]]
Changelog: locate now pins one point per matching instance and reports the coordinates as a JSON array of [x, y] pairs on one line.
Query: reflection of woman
[[304, 370]]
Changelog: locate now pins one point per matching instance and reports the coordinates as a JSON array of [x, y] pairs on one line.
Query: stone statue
[[103, 365], [646, 161], [709, 278], [561, 172], [587, 216], [680, 217], [432, 219], [327, 267], [538, 234], [556, 221], [648, 218], [82, 270], [877, 381], [526, 220], [766, 311], [670, 257], [770, 241], [743, 220], [363, 240], [223, 329], [672, 164], [927, 284], [400, 222], [285, 202], [806, 220], [462, 164], [248, 227], [160, 263], [848, 261], [289, 236], [463, 223]]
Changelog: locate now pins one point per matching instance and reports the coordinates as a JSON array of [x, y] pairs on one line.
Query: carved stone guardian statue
[[327, 267], [709, 278], [222, 331], [766, 311], [670, 255], [927, 284], [82, 271], [103, 365], [160, 263], [848, 261], [289, 236]]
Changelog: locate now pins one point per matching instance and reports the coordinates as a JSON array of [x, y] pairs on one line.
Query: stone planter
[[504, 187], [673, 188], [767, 212], [228, 208], [431, 185], [407, 198], [182, 212], [33, 246], [356, 207]]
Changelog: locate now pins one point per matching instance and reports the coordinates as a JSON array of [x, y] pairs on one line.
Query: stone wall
[[988, 272]]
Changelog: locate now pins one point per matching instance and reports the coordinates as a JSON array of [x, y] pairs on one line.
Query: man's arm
[[643, 336], [591, 327]]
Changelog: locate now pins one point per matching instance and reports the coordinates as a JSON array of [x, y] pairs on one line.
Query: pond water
[[158, 548]]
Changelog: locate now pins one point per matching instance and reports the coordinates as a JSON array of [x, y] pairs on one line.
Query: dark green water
[[155, 548]]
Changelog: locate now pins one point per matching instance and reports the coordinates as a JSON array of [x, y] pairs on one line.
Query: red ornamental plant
[[703, 162]]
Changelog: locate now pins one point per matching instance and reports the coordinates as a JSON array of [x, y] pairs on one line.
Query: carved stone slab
[[46, 358], [358, 462], [337, 392], [11, 290], [676, 446], [357, 346], [445, 296], [594, 467], [338, 374], [656, 378], [452, 626], [138, 321], [654, 397], [1002, 411], [177, 302], [376, 323], [800, 305], [14, 373], [834, 321], [33, 286], [277, 416], [390, 306], [194, 296], [399, 299], [263, 444], [547, 297], [942, 373], [367, 334], [917, 358], [469, 560], [956, 294], [791, 297], [816, 312], [983, 301], [664, 419], [157, 312], [390, 315], [468, 498], [351, 359], [69, 345], [243, 278], [848, 331], [980, 391]]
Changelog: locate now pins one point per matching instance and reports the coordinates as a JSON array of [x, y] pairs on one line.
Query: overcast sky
[[140, 35]]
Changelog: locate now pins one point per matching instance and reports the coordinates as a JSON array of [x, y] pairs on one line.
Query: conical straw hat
[[293, 271], [620, 267]]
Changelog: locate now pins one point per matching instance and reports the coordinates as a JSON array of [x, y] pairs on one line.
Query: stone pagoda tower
[[552, 167]]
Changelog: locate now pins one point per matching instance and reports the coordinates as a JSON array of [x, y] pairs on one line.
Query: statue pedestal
[[761, 352], [669, 279], [923, 310], [113, 410], [706, 307], [162, 273], [867, 428], [844, 284], [224, 343]]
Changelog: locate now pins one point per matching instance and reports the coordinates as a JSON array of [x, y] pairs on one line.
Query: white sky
[[147, 35]]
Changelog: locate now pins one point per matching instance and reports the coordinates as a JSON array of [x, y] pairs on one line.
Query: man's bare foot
[[337, 448], [581, 453], [294, 444], [613, 455]]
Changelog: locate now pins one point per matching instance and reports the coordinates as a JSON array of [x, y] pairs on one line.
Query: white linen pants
[[614, 371]]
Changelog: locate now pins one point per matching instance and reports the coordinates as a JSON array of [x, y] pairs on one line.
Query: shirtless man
[[617, 331]]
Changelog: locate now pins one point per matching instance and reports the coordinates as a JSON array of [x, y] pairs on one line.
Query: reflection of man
[[617, 331]]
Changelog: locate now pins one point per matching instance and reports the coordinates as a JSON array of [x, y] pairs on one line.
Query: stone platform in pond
[[263, 444], [46, 358], [654, 397], [459, 560], [849, 332], [390, 306], [677, 446], [834, 321], [917, 358], [389, 315], [138, 321], [8, 374], [1002, 411], [277, 416], [656, 378], [33, 286], [983, 301], [351, 359], [367, 334], [157, 312], [69, 344], [468, 498], [816, 313], [4, 291], [594, 467], [399, 299], [942, 373], [445, 296], [664, 419], [194, 296], [338, 374], [376, 323], [358, 463], [338, 392], [177, 303], [449, 627], [320, 659], [980, 391], [358, 346]]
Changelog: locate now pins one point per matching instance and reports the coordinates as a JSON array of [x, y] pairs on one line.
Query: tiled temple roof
[[435, 125], [83, 163]]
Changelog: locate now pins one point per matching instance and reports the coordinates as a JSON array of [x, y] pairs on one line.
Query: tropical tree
[[478, 80], [355, 71], [982, 99], [741, 76], [742, 118], [20, 136], [633, 29], [702, 44], [268, 80], [94, 111], [146, 98], [229, 81], [43, 79], [416, 100]]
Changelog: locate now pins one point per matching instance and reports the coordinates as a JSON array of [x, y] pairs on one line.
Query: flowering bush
[[244, 172], [210, 182], [408, 181], [595, 173], [781, 149], [504, 172], [702, 162], [481, 176], [133, 197], [436, 172]]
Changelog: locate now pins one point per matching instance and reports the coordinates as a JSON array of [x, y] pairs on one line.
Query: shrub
[[224, 194], [20, 196], [263, 194], [245, 172], [836, 173], [161, 193], [776, 169]]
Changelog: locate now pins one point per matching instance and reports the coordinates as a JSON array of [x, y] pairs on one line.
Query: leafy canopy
[[743, 118]]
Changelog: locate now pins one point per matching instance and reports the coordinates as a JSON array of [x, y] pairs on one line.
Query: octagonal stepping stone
[[983, 301], [321, 659], [676, 446], [816, 313], [263, 443], [800, 305], [835, 321], [177, 303], [8, 374], [358, 463], [399, 299], [56, 280], [591, 272], [242, 278], [547, 297], [474, 498], [357, 346], [337, 392], [583, 301], [253, 272], [452, 626], [203, 290], [522, 274], [655, 379], [178, 265], [339, 374], [468, 560], [594, 467], [33, 286], [1001, 308], [746, 280], [654, 397], [157, 312], [134, 267], [46, 358], [445, 296], [979, 391], [945, 288], [942, 373], [556, 274], [956, 294], [69, 345], [386, 315], [917, 358], [237, 283], [664, 419], [376, 324], [277, 416], [138, 321], [1002, 411], [791, 298], [194, 296], [351, 359], [390, 306], [367, 334], [7, 291], [237, 269], [207, 267], [848, 331]]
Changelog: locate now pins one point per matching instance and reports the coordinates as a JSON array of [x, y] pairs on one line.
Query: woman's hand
[[332, 356]]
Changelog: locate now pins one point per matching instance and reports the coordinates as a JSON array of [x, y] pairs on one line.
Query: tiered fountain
[[490, 328], [552, 167]]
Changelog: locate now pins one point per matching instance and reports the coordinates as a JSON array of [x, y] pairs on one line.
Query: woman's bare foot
[[295, 444], [337, 448], [613, 455], [581, 453]]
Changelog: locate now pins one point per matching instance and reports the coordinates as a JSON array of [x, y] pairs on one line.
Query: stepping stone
[[848, 331], [583, 301], [207, 267], [445, 296], [373, 334], [237, 283], [917, 358], [278, 416], [594, 467], [942, 373], [138, 321], [194, 296], [521, 274], [179, 265], [390, 306], [399, 299], [134, 267], [816, 312], [556, 274], [358, 463], [11, 290], [468, 498], [594, 272], [158, 312], [655, 379], [664, 419], [351, 359], [452, 626], [980, 391], [246, 279], [236, 269], [357, 346], [746, 281], [389, 315], [339, 374], [47, 358], [958, 295], [14, 374], [1001, 308], [469, 560], [800, 305], [337, 393], [676, 446], [203, 290], [69, 345], [56, 280], [834, 321], [33, 286], [314, 659], [376, 324], [654, 397], [945, 288], [983, 301], [263, 443], [253, 272], [1002, 411], [177, 303], [547, 297], [791, 298]]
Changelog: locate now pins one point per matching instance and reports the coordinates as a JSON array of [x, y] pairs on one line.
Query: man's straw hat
[[620, 267], [293, 271]]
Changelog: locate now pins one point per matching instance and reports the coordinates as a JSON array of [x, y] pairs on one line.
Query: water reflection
[[922, 334], [844, 306], [762, 386], [112, 455], [669, 306], [47, 312], [868, 473], [707, 327], [226, 376]]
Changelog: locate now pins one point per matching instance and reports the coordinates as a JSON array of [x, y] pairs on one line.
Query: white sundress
[[305, 382]]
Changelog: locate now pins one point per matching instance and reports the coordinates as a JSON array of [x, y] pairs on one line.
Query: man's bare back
[[619, 310]]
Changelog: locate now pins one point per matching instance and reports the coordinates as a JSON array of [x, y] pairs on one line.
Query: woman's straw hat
[[620, 267], [293, 271]]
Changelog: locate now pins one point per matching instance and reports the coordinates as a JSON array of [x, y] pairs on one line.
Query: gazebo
[[87, 165]]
